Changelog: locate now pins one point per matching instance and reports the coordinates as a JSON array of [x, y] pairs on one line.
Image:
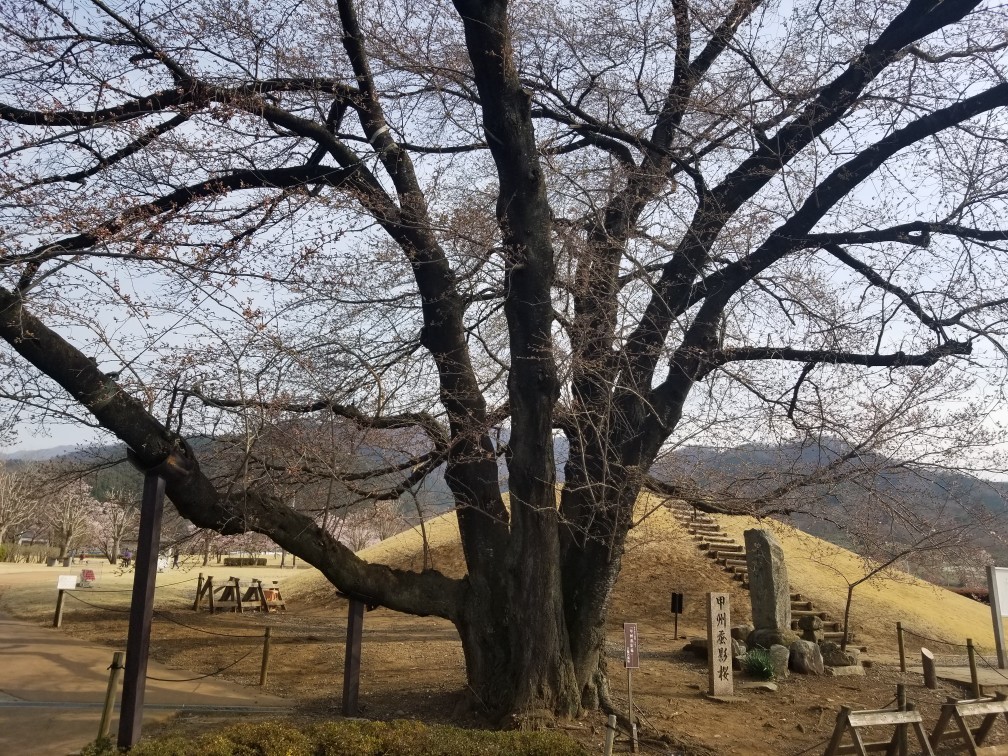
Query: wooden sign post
[[631, 660], [719, 645], [677, 609]]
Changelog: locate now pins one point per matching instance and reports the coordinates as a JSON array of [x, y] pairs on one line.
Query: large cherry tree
[[473, 228]]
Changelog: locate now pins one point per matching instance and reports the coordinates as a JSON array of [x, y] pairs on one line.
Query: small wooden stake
[[610, 735], [58, 617], [199, 592], [928, 664], [974, 676], [902, 650], [115, 672], [265, 659]]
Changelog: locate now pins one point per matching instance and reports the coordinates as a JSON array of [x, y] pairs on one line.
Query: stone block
[[806, 659], [768, 580]]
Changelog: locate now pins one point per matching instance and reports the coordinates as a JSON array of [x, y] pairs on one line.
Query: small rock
[[834, 656], [800, 727], [811, 627], [850, 670], [766, 637], [806, 658], [759, 685], [779, 656], [741, 632]]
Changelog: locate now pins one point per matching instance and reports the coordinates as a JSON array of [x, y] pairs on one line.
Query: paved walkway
[[52, 688]]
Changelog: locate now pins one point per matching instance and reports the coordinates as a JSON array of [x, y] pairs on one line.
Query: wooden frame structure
[[231, 598], [850, 722], [972, 738]]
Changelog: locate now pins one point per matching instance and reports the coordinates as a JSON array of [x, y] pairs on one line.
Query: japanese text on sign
[[719, 643], [631, 655]]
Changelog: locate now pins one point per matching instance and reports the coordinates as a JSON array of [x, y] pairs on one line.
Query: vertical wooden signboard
[[719, 644]]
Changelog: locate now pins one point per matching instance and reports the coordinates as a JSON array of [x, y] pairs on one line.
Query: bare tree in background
[[115, 520], [18, 502], [67, 514], [481, 227]]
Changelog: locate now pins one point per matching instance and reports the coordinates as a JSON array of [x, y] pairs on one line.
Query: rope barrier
[[203, 677], [128, 590], [96, 606], [820, 744], [934, 640], [996, 670], [163, 615]]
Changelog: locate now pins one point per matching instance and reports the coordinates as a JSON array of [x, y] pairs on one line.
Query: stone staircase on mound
[[731, 556]]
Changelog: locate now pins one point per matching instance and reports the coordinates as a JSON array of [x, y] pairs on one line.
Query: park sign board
[[631, 650], [66, 582]]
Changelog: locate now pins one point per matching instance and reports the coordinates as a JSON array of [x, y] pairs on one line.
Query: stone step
[[809, 613], [687, 518], [802, 605], [736, 569], [708, 545], [723, 551], [735, 563], [837, 637], [703, 528]]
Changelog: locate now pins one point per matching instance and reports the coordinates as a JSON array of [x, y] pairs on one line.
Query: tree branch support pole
[[902, 648], [901, 735], [58, 616], [141, 611], [351, 662], [115, 672], [264, 669], [199, 592], [974, 675]]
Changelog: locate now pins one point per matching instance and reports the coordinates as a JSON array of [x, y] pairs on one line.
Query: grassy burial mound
[[662, 557]]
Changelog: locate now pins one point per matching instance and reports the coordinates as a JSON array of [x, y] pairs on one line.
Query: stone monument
[[769, 590]]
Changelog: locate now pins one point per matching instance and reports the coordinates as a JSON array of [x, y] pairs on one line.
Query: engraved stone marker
[[719, 645]]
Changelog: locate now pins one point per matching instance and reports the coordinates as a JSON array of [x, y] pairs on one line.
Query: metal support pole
[[351, 662], [58, 617], [265, 659], [115, 671], [141, 611]]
